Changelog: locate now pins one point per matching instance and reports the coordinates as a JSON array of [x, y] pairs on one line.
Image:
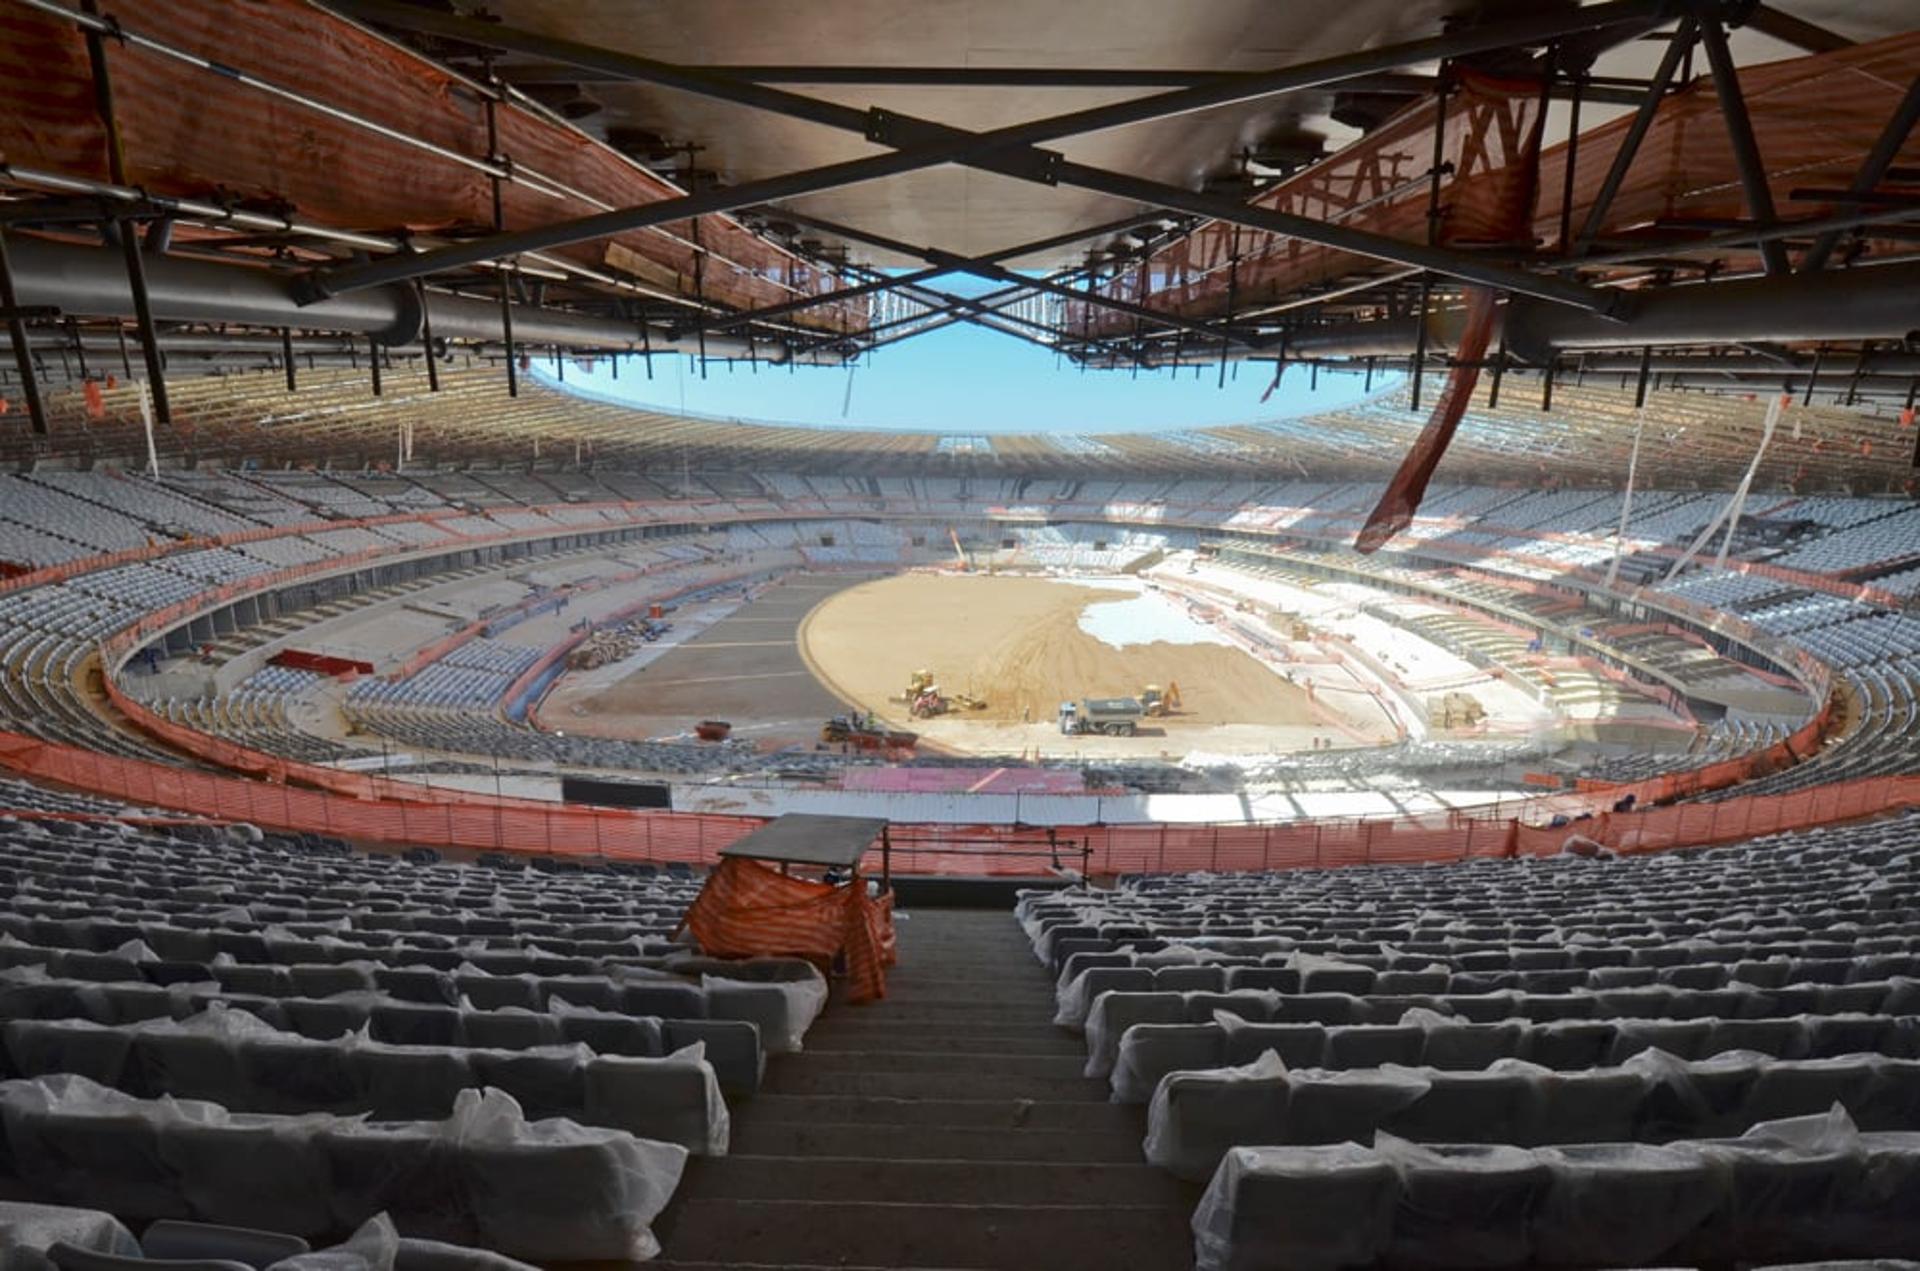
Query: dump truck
[[1113, 716]]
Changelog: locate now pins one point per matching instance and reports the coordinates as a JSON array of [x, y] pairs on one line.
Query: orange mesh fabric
[[748, 908], [1401, 499]]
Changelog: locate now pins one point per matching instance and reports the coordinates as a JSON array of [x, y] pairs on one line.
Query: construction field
[[811, 646], [743, 666], [1023, 646]]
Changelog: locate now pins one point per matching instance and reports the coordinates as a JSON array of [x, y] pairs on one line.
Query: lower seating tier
[[544, 1191], [1196, 1118], [1813, 1187]]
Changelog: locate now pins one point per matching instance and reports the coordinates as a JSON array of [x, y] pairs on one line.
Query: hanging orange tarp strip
[[1401, 499]]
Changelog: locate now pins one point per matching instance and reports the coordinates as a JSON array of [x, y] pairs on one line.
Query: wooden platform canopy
[[819, 841]]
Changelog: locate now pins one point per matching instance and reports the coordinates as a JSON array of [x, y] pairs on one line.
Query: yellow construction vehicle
[[1158, 701], [1455, 710], [925, 700]]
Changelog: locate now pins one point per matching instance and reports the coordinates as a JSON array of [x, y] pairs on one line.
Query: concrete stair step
[[1106, 1145], [912, 1181], [770, 1107], [965, 1237]]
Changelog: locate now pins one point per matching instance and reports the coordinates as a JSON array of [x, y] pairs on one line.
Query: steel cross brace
[[883, 283], [948, 262], [1011, 151]]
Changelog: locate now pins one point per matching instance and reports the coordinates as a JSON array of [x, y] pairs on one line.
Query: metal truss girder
[[883, 283], [999, 273]]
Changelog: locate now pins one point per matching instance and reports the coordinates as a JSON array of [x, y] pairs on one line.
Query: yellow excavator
[[1155, 700]]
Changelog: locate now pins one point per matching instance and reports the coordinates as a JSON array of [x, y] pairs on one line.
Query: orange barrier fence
[[529, 827]]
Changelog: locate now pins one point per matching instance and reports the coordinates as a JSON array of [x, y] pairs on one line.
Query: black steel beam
[[1873, 169], [1610, 91], [22, 350], [1623, 158], [883, 283], [129, 240], [956, 77], [1795, 31], [1746, 148], [921, 144], [981, 268]]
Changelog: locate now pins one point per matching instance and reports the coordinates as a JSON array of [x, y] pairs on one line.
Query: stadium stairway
[[947, 1127]]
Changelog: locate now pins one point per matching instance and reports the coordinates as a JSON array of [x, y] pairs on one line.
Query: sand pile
[[1017, 643]]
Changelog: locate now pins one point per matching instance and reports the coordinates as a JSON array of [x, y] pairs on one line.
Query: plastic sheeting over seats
[[549, 1190], [1775, 1193]]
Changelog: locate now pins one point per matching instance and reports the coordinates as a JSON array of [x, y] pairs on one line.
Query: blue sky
[[965, 379]]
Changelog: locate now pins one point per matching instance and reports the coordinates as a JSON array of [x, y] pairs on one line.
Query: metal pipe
[[1875, 304], [88, 281]]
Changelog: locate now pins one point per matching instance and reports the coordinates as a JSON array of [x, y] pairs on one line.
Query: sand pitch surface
[[1017, 643]]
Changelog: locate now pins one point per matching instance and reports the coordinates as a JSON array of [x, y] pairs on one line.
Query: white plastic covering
[[546, 1191], [1336, 1107], [374, 1247], [231, 1058], [676, 1098], [556, 1191], [1809, 1184], [1463, 1205], [1303, 1208], [1621, 1203], [782, 1009], [1195, 1117], [27, 1231], [1149, 1052], [1114, 1013]]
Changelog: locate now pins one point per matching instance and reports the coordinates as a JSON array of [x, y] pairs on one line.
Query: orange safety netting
[[1684, 170], [198, 133], [746, 908]]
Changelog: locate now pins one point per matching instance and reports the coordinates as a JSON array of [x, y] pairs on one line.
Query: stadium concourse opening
[[1244, 637]]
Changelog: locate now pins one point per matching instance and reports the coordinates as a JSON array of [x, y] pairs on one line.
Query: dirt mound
[[1017, 643]]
